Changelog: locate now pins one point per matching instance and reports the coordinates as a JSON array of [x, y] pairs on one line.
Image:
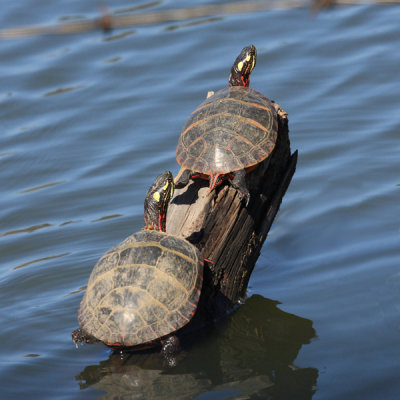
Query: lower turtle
[[145, 288]]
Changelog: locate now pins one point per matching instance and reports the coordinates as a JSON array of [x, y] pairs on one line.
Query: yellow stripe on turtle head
[[241, 63], [156, 197], [169, 187]]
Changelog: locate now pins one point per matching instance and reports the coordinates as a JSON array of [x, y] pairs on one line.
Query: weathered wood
[[228, 233]]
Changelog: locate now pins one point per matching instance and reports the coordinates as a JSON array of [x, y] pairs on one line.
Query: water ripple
[[26, 230], [40, 260], [40, 187], [63, 90], [75, 169]]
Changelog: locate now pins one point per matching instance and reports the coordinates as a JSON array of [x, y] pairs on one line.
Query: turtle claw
[[245, 197]]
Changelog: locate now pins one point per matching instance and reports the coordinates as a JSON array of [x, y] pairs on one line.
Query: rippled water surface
[[88, 120]]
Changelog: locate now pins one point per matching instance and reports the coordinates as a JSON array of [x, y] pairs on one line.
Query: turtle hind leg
[[170, 349], [239, 183], [182, 179]]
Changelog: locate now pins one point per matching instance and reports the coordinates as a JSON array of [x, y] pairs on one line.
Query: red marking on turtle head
[[162, 219], [245, 81]]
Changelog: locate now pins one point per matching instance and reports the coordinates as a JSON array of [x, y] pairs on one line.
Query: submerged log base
[[228, 233]]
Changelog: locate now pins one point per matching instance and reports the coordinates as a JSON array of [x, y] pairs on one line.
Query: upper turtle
[[230, 132]]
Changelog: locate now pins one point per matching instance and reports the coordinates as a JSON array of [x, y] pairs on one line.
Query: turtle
[[145, 288], [229, 133]]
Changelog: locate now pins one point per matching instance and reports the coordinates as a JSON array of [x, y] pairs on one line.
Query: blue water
[[88, 120]]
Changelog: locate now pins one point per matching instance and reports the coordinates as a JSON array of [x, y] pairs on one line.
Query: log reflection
[[250, 353]]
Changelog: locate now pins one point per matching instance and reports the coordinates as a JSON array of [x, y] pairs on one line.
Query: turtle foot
[[81, 336], [239, 183], [182, 179], [170, 349]]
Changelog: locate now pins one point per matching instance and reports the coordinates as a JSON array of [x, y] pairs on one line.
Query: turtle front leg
[[81, 336], [239, 183], [182, 179]]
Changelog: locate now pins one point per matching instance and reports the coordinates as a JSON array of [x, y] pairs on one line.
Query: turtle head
[[242, 67], [157, 200]]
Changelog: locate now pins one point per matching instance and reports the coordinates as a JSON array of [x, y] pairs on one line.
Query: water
[[87, 122]]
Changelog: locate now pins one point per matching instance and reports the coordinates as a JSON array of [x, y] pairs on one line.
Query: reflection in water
[[45, 186], [26, 230], [63, 90], [106, 217], [193, 23], [119, 36], [40, 260], [250, 353], [110, 20]]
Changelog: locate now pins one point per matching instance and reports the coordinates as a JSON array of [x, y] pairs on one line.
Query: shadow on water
[[250, 354]]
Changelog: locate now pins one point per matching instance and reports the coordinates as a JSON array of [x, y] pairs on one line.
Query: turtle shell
[[234, 129], [146, 287]]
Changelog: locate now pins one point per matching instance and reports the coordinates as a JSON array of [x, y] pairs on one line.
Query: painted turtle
[[146, 287], [230, 132]]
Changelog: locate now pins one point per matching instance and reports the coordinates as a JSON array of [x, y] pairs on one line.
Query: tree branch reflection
[[108, 20]]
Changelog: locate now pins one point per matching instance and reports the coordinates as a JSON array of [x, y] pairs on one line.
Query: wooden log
[[228, 233]]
